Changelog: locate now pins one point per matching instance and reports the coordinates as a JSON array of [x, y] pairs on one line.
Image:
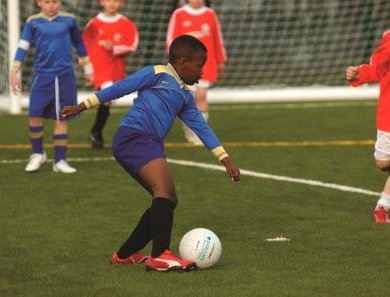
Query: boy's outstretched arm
[[91, 102], [231, 169]]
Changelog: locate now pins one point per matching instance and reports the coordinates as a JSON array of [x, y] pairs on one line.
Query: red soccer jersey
[[378, 70], [203, 24], [122, 32]]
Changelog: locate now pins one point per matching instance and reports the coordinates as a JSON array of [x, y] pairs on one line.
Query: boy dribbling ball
[[138, 146]]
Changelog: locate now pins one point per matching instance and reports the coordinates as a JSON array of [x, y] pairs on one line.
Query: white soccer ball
[[202, 246]]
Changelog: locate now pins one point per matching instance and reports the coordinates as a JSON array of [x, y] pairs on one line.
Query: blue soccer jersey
[[161, 97], [53, 39]]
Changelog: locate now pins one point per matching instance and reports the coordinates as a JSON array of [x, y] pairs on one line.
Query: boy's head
[[49, 7], [196, 3], [111, 7], [188, 55]]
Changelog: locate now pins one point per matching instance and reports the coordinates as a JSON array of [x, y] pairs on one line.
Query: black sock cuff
[[162, 203]]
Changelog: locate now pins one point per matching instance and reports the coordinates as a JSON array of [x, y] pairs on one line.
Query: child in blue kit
[[138, 146], [52, 33]]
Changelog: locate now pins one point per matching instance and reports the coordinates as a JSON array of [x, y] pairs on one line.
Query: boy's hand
[[15, 82], [220, 68], [89, 79], [231, 169], [107, 44], [352, 73], [68, 111]]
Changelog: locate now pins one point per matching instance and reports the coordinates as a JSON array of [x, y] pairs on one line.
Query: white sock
[[384, 201]]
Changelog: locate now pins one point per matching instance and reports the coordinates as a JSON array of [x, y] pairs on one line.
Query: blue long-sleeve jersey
[[161, 97], [53, 39]]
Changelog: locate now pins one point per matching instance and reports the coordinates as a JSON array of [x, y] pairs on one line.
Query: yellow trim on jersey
[[161, 68], [171, 71], [64, 13], [91, 102], [16, 65], [42, 15], [35, 16], [220, 152]]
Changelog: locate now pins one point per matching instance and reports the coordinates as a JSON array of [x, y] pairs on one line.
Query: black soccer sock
[[139, 238], [102, 115], [161, 217]]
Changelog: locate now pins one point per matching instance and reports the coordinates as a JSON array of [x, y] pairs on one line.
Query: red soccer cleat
[[135, 258], [167, 261], [380, 216]]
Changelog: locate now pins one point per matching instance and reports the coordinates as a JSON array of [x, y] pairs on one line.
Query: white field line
[[299, 105], [244, 172]]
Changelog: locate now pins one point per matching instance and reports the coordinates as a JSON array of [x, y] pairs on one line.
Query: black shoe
[[96, 140]]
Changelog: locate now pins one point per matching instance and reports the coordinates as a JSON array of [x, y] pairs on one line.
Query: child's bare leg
[[157, 175]]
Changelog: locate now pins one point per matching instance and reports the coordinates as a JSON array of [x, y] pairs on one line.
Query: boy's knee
[[383, 165]]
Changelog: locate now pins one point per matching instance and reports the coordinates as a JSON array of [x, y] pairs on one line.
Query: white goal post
[[278, 50]]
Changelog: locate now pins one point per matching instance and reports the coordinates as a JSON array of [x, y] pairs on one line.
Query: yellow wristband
[[220, 152], [16, 65], [91, 102]]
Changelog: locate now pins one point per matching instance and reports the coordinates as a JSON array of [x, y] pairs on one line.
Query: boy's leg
[[36, 135], [140, 237], [157, 176], [102, 114], [383, 205], [156, 222], [38, 156], [60, 139], [96, 136], [382, 160]]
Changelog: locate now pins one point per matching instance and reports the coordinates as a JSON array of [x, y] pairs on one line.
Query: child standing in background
[[52, 33], [110, 37], [200, 21]]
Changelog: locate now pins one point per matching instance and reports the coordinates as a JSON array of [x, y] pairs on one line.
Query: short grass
[[59, 231]]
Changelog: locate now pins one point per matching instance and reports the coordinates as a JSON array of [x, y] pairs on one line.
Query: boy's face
[[190, 69], [111, 7], [49, 7], [195, 3]]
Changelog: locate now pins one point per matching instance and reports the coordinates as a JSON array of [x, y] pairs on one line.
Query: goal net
[[277, 49]]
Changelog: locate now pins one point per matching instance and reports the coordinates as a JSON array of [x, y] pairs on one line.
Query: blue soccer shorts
[[133, 149], [50, 93]]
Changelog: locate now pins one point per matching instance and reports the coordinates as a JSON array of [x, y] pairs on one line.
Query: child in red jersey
[[110, 37], [378, 70], [200, 21]]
